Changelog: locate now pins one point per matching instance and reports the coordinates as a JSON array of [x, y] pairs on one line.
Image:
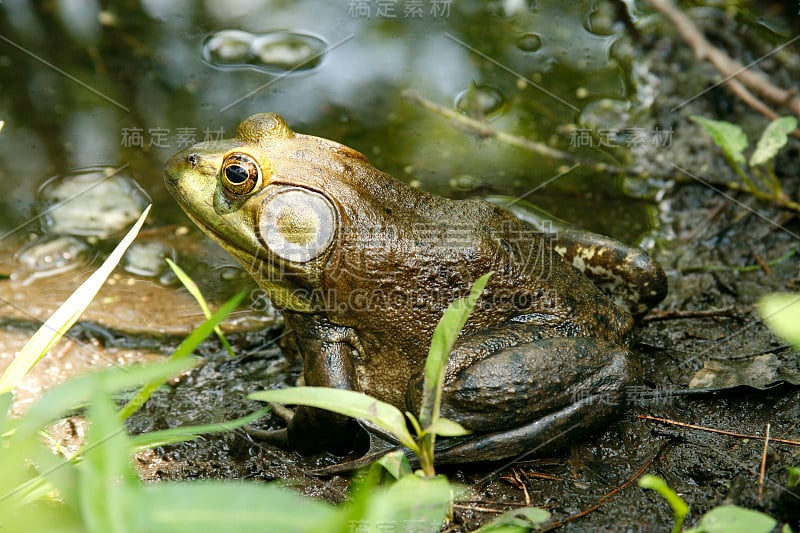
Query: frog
[[362, 266]]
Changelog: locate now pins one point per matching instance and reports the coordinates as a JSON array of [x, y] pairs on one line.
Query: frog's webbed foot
[[309, 430], [380, 443]]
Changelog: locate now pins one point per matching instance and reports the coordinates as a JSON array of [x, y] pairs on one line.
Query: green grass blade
[[517, 521], [184, 350], [205, 506], [107, 483], [181, 434], [67, 314], [679, 507], [76, 392], [194, 290]]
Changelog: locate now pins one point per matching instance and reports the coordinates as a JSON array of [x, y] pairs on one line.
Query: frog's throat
[[264, 272]]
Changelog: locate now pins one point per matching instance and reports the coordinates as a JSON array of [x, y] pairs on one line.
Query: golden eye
[[240, 174], [297, 224]]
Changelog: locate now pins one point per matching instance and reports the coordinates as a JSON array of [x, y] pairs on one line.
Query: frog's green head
[[267, 197]]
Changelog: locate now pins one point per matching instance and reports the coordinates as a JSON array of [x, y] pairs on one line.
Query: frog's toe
[[282, 411], [275, 437]]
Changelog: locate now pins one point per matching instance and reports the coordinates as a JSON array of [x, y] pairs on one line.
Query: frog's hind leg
[[525, 396], [627, 274]]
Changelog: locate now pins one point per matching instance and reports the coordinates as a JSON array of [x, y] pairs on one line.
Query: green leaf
[[774, 138], [781, 312], [184, 433], [729, 137], [679, 507], [396, 463], [345, 402], [794, 476], [521, 520], [444, 337], [413, 503], [194, 290], [202, 506], [447, 428], [183, 351], [733, 519], [67, 314]]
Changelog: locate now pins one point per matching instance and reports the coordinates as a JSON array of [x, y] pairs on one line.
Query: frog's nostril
[[193, 159]]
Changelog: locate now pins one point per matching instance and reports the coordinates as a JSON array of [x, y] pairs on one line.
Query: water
[[134, 83]]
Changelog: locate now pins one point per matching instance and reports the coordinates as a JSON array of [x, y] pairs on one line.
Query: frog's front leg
[[327, 362], [518, 395], [627, 274]]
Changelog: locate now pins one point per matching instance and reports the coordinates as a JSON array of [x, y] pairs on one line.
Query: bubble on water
[[529, 42], [480, 101], [231, 273], [599, 20], [465, 182], [93, 202], [274, 52], [50, 255]]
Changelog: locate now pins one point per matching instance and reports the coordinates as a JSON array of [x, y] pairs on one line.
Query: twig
[[750, 99], [763, 264], [763, 465], [484, 129], [737, 76], [778, 200], [718, 431], [606, 498], [749, 268], [677, 314]]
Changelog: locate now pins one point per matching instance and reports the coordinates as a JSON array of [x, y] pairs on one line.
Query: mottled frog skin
[[362, 267]]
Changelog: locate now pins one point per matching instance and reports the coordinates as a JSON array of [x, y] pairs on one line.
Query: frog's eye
[[240, 174], [297, 224]]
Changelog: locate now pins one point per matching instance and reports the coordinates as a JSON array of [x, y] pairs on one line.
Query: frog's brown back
[[407, 254]]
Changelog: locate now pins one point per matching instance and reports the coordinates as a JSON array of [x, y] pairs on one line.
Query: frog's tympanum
[[362, 267]]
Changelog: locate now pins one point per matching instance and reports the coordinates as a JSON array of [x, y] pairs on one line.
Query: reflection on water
[[132, 83]]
